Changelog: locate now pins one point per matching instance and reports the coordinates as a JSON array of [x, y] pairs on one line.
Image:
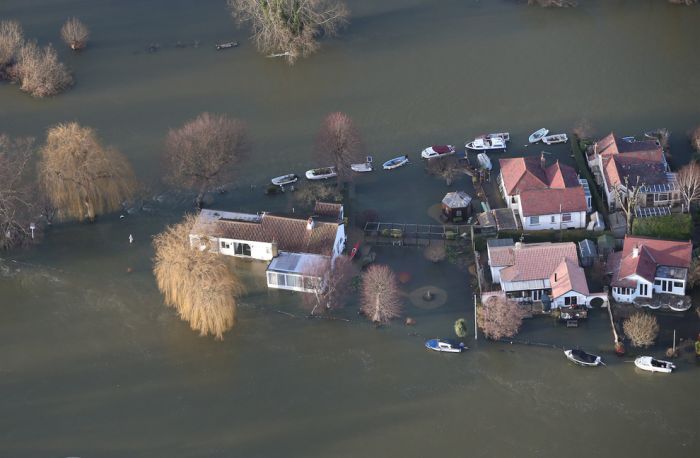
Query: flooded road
[[93, 365]]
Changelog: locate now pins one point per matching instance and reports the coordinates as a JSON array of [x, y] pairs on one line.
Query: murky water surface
[[92, 364]]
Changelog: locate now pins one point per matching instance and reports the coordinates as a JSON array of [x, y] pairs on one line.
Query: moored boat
[[554, 139], [537, 135], [395, 163], [363, 167], [322, 173], [484, 143], [484, 161], [437, 151], [285, 179], [582, 358], [227, 45], [445, 345], [504, 135], [650, 364]]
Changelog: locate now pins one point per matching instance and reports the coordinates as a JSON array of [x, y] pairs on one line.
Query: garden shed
[[587, 252], [457, 206]]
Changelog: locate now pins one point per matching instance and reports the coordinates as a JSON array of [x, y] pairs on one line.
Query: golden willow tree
[[290, 28], [196, 282], [80, 177]]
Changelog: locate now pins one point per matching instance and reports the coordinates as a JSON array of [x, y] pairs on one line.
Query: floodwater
[[93, 365]]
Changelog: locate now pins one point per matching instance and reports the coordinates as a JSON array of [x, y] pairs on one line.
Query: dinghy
[[285, 179], [484, 143], [437, 151], [364, 167], [554, 139], [446, 345], [484, 161], [650, 364], [322, 173], [227, 45], [582, 358], [537, 135], [395, 163]]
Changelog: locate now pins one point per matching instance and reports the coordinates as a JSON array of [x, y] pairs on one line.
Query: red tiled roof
[[652, 254], [501, 256], [552, 201], [328, 210], [611, 145], [568, 276], [665, 252], [525, 173], [620, 159], [537, 261]]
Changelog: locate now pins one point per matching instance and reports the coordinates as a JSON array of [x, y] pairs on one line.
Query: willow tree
[[380, 294], [339, 144], [196, 282], [204, 153], [290, 28], [80, 177]]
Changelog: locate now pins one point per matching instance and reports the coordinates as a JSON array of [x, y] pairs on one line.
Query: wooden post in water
[[476, 334], [674, 342]]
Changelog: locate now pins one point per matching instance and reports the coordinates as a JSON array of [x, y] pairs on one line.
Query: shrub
[[641, 329], [40, 72], [75, 33], [435, 252], [11, 39], [678, 226]]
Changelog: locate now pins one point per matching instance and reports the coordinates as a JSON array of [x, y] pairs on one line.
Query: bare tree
[[40, 72], [17, 198], [332, 290], [290, 28], [694, 272], [689, 183], [695, 138], [628, 197], [75, 33], [311, 193], [380, 294], [641, 329], [446, 168], [11, 39], [435, 252], [339, 143], [80, 177], [197, 283], [499, 317], [553, 3], [205, 153]]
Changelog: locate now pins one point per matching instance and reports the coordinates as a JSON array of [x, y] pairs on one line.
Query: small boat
[[504, 135], [227, 45], [554, 139], [437, 151], [446, 345], [629, 139], [395, 163], [285, 179], [364, 167], [484, 143], [582, 358], [322, 173], [537, 135], [650, 364], [354, 250], [484, 161]]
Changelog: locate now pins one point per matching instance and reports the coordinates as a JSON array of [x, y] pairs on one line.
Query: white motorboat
[[285, 179], [437, 151], [554, 139], [364, 167], [484, 161], [504, 135], [650, 364], [582, 358], [445, 345], [537, 135], [322, 173], [484, 143], [395, 163]]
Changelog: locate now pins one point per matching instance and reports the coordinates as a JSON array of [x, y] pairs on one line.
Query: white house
[[541, 209], [295, 246], [647, 266]]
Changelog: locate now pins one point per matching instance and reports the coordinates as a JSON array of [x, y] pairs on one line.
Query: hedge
[[678, 226]]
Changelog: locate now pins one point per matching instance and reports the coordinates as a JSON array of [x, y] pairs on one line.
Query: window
[[554, 219], [571, 300], [643, 289], [241, 249], [566, 217], [657, 282], [225, 245], [661, 197], [677, 284], [515, 200], [534, 220]]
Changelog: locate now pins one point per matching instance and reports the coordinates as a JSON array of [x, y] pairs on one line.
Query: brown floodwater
[[93, 365]]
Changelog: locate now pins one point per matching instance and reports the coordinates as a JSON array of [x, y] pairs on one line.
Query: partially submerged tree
[[689, 183], [197, 283], [80, 177], [499, 317], [290, 28], [583, 129], [446, 168], [333, 289], [311, 193], [641, 329], [205, 153], [435, 252], [75, 33], [39, 71], [380, 294], [11, 40], [17, 197], [627, 197], [695, 138], [339, 144], [461, 328]]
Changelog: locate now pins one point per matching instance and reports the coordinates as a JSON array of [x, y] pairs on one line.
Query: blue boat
[[446, 345], [396, 162]]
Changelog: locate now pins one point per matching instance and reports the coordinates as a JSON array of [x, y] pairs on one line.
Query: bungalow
[[543, 197], [295, 247], [526, 272], [615, 160], [649, 266]]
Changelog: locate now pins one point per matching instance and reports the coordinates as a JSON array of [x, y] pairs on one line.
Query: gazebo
[[457, 206]]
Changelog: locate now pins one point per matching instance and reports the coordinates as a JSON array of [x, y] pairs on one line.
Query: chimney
[[310, 223], [635, 251], [542, 160]]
